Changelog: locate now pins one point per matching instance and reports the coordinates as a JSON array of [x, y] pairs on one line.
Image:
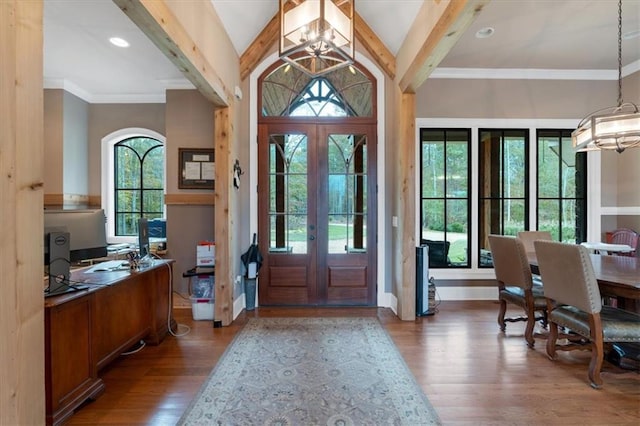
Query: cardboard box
[[206, 253]]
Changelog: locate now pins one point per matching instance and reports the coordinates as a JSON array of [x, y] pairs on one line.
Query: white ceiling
[[533, 38]]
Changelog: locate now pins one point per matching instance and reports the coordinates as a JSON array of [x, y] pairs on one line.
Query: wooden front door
[[317, 214]]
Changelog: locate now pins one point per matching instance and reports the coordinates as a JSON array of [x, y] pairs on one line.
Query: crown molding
[[532, 74], [446, 73], [120, 98]]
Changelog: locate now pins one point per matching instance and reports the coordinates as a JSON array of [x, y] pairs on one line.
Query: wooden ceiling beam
[[270, 33], [376, 48], [157, 21], [259, 48], [424, 48]]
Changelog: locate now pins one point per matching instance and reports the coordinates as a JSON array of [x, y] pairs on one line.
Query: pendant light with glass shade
[[317, 36], [613, 128]]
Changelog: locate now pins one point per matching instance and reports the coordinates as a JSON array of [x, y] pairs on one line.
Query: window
[[561, 187], [503, 186], [133, 181], [289, 92], [445, 199], [319, 99], [528, 177], [139, 178]]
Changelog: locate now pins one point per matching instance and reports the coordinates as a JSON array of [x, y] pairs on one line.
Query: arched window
[[319, 99], [345, 92], [133, 181]]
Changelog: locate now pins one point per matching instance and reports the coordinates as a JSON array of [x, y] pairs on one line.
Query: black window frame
[[581, 184], [141, 213], [445, 198], [481, 198]]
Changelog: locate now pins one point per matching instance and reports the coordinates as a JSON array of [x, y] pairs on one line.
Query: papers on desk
[[608, 248]]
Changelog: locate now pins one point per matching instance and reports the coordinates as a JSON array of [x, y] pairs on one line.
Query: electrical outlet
[[238, 279]]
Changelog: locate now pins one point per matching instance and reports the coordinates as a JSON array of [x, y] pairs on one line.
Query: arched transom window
[[345, 92]]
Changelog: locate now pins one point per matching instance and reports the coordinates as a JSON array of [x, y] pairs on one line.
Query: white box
[[202, 308], [206, 254]]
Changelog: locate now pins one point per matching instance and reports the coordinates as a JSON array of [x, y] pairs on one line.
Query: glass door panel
[[347, 189], [288, 194]]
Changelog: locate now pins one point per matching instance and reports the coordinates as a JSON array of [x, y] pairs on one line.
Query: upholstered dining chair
[[625, 236], [574, 302], [527, 238], [515, 284]]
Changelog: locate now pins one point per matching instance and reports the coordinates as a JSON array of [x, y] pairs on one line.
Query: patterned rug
[[311, 371]]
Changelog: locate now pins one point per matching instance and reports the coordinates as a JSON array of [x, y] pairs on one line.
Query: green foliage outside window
[[561, 183], [139, 183], [445, 190]]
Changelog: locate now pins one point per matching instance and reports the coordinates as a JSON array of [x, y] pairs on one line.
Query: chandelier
[[612, 128], [316, 36]]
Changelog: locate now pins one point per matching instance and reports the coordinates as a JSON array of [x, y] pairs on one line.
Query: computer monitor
[[143, 238], [86, 228], [71, 236]]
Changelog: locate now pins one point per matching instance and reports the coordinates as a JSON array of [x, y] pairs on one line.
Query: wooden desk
[[618, 276], [86, 330]]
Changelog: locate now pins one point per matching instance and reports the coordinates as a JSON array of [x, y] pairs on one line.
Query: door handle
[[311, 237]]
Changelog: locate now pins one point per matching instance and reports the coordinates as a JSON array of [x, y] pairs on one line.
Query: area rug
[[311, 371]]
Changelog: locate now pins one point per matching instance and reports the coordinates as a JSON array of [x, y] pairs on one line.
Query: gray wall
[[189, 124], [53, 141], [186, 226], [76, 150], [460, 98]]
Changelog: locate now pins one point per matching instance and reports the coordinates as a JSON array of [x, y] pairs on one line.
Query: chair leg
[[501, 314], [545, 320], [528, 331], [551, 340], [597, 357]]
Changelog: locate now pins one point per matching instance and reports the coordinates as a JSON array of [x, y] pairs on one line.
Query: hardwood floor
[[471, 372]]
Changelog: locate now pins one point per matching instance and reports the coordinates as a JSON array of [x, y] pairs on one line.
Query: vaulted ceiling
[[532, 39]]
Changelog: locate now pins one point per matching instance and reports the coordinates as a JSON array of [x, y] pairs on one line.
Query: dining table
[[618, 276], [607, 248]]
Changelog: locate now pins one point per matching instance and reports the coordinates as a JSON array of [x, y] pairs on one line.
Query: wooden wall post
[[224, 214], [22, 394], [407, 207]]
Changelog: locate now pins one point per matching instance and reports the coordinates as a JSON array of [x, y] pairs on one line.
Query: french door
[[317, 214]]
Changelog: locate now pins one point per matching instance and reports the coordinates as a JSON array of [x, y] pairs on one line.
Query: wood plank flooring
[[471, 372]]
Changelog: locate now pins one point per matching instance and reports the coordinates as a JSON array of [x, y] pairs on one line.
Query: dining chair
[[527, 238], [574, 303], [515, 284], [625, 236]]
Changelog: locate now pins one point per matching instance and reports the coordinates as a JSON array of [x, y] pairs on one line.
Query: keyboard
[[118, 247], [111, 265]]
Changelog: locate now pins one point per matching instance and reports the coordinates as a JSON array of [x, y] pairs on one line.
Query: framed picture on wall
[[197, 168]]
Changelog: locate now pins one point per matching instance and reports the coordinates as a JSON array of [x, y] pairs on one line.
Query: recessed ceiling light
[[485, 32], [120, 42], [631, 34]]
